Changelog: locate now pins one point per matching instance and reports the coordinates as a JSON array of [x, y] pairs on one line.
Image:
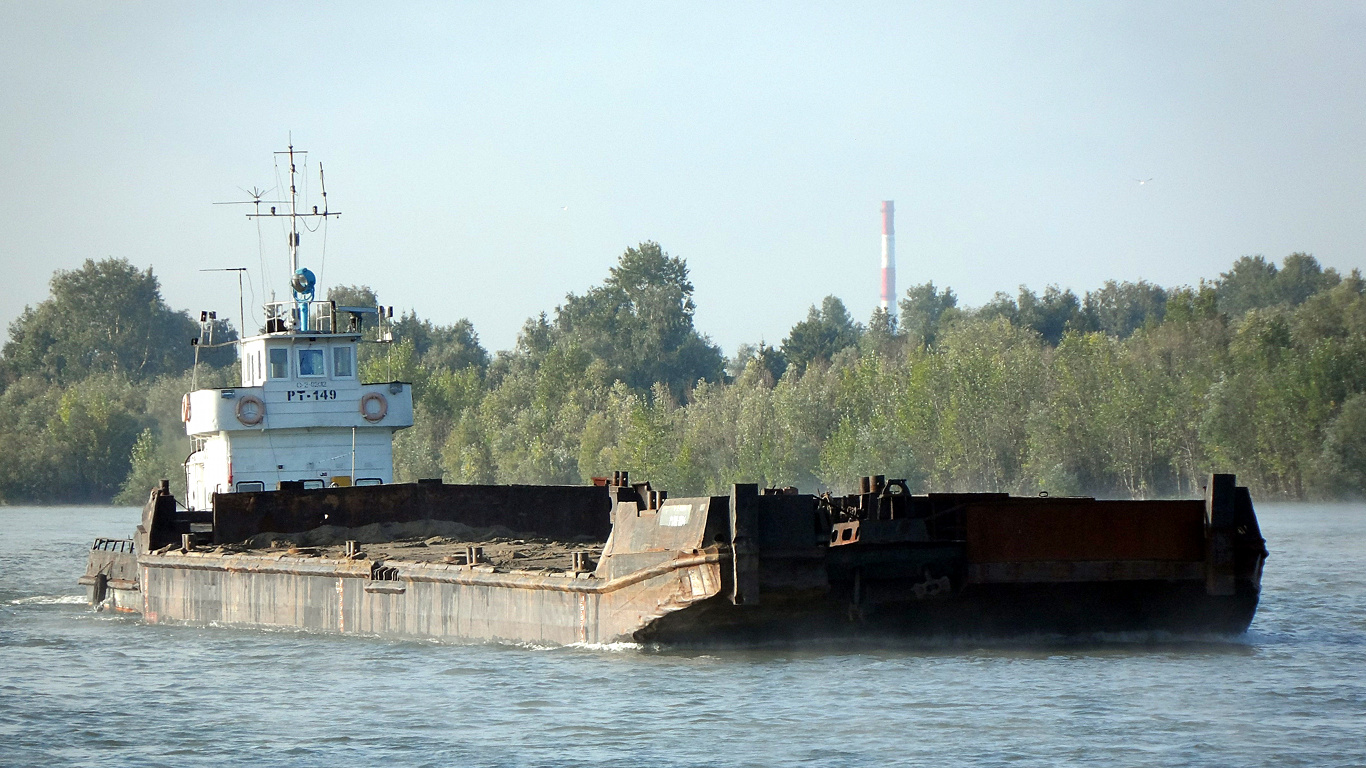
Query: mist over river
[[80, 688]]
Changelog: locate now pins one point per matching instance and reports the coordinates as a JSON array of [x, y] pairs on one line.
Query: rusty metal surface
[[1046, 571], [1221, 514], [842, 534], [676, 525], [552, 511], [744, 543], [1085, 529]]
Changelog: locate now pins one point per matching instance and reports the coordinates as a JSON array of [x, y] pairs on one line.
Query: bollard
[[352, 549], [583, 562], [186, 542]]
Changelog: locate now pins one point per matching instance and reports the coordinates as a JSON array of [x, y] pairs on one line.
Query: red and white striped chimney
[[888, 257]]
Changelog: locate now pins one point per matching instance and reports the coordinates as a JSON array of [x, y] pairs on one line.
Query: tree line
[[1128, 390]]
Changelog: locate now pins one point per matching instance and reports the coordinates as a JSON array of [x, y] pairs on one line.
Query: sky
[[490, 158]]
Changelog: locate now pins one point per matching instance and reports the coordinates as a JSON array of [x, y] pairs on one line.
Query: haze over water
[[79, 688]]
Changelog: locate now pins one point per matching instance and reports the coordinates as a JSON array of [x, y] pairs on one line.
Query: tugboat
[[301, 418], [292, 519]]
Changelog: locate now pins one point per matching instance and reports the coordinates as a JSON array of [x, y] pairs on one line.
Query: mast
[[293, 213], [301, 280]]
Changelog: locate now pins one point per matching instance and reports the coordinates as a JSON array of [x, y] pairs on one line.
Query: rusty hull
[[748, 567]]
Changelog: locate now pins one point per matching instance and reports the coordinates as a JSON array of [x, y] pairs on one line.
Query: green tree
[[1267, 414], [353, 296], [730, 434], [106, 317], [639, 322], [534, 419], [992, 377], [1067, 433], [1119, 309], [451, 347], [1344, 450], [1249, 284], [1002, 305], [1051, 315], [769, 359], [1301, 277], [824, 333], [882, 337], [805, 415], [95, 427], [646, 437], [1187, 304], [870, 438], [32, 466], [145, 472], [1255, 283], [923, 309], [1179, 362]]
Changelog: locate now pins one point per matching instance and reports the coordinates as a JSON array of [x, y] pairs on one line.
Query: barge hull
[[682, 602], [744, 568], [423, 601]]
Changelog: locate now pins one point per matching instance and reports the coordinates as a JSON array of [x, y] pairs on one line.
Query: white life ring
[[250, 410], [185, 408], [376, 414]]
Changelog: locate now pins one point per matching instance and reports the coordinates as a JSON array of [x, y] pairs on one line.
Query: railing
[[113, 545], [310, 316]]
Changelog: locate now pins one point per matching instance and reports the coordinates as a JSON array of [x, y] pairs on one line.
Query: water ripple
[[86, 689]]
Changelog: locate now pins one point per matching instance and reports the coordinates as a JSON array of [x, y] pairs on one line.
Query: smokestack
[[888, 257]]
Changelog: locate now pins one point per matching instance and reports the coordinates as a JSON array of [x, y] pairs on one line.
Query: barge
[[292, 519], [623, 562]]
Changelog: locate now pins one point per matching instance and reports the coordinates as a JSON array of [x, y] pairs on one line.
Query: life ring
[[185, 408], [250, 416], [373, 397]]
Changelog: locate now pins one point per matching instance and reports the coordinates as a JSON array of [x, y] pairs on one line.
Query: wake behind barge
[[623, 562]]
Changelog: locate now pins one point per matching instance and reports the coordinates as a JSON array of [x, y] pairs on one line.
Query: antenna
[[302, 281], [322, 182], [294, 213], [255, 195], [241, 305]]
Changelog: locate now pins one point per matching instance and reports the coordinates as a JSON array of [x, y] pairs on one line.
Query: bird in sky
[[1141, 182]]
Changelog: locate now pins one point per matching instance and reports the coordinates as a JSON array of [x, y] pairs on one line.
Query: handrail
[[320, 316]]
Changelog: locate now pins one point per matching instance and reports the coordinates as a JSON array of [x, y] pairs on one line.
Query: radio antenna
[[301, 281], [241, 304]]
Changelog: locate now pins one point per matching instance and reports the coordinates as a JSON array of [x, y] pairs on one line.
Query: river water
[[79, 688]]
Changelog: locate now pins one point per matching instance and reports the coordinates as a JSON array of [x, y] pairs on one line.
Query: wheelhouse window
[[342, 366], [369, 481], [279, 363], [311, 362], [311, 484], [253, 486]]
